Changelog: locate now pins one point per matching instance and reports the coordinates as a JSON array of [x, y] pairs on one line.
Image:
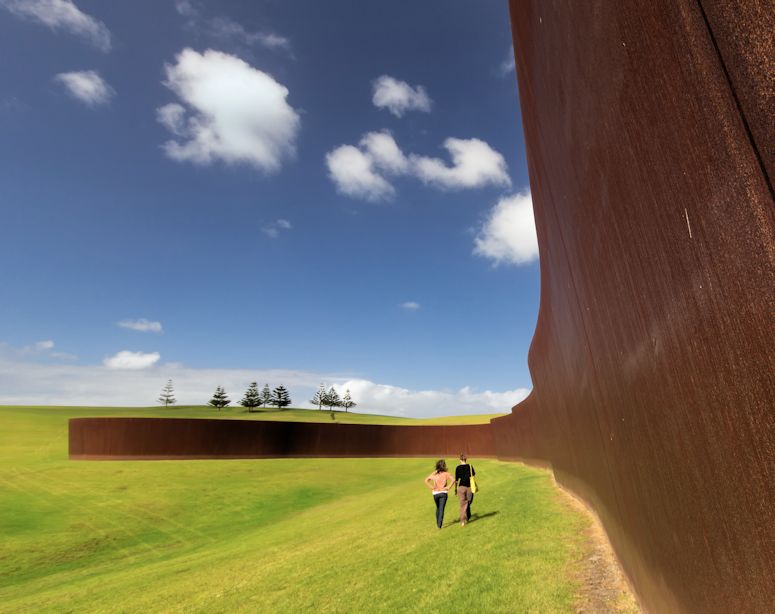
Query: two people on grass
[[440, 481]]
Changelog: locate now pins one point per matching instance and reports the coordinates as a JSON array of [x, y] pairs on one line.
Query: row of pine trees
[[278, 397], [330, 398]]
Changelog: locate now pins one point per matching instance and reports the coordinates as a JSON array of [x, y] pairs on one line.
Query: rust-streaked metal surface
[[649, 130], [158, 438], [744, 32]]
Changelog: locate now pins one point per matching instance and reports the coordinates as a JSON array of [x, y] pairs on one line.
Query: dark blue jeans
[[441, 501]]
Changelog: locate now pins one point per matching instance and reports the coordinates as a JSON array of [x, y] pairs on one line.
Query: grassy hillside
[[240, 413], [284, 535]]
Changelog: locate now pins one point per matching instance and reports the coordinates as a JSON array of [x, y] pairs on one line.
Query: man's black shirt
[[463, 474]]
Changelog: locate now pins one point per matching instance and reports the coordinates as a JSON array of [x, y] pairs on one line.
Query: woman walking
[[440, 482], [463, 473]]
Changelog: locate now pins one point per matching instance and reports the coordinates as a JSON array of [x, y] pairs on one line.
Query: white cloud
[[142, 325], [353, 174], [187, 8], [131, 360], [475, 164], [24, 382], [39, 350], [393, 400], [410, 306], [361, 172], [226, 29], [384, 152], [38, 383], [173, 117], [64, 15], [233, 113], [86, 86], [508, 65], [509, 233], [273, 229], [398, 97]]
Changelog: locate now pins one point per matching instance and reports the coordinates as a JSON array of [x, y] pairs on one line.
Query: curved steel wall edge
[[158, 438]]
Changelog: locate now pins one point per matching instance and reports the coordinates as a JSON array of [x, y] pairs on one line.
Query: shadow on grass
[[474, 517]]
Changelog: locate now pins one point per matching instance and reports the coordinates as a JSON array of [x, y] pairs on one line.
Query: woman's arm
[[429, 482]]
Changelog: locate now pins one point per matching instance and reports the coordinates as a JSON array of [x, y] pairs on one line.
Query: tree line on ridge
[[253, 398]]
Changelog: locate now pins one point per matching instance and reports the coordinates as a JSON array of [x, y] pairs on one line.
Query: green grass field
[[284, 535], [240, 413]]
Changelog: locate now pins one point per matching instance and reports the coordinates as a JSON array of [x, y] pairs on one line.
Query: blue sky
[[290, 192]]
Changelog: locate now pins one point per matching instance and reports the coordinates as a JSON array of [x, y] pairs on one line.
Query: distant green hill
[[240, 413]]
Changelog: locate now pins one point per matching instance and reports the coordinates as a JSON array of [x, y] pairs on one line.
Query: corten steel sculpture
[[651, 149], [650, 132], [164, 438]]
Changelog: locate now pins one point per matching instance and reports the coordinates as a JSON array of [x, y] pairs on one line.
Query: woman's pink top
[[439, 480]]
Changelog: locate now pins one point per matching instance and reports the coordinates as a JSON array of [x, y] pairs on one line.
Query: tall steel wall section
[[159, 438], [650, 136]]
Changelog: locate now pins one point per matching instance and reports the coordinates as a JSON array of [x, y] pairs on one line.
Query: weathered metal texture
[[158, 438], [649, 131], [744, 33]]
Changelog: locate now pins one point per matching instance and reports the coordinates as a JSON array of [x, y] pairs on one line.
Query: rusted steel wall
[[649, 132], [156, 438]]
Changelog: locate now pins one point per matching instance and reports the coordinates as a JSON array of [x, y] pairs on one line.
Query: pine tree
[[252, 397], [220, 398], [332, 399], [280, 397], [347, 401], [167, 396], [319, 398], [266, 396]]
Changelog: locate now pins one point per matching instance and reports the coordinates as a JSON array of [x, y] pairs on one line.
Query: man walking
[[463, 473]]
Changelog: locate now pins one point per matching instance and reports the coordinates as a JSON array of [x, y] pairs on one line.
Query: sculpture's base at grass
[[284, 535]]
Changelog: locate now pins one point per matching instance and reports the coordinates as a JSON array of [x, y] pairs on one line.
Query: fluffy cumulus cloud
[[62, 15], [228, 111], [508, 235], [474, 164], [142, 325], [131, 360], [383, 150], [365, 171], [354, 173], [86, 86], [398, 97]]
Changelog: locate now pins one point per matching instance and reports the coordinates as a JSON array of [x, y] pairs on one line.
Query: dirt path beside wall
[[604, 588]]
